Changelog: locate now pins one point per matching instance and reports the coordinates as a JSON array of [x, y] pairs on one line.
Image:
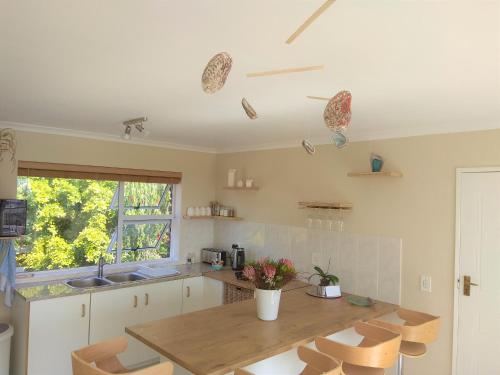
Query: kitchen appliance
[[12, 217], [211, 256], [237, 258]]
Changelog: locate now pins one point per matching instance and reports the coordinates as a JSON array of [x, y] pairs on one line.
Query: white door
[[192, 299], [477, 315], [162, 300], [56, 328], [213, 292], [111, 312]]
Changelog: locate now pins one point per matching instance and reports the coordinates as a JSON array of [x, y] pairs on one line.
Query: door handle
[[146, 297], [84, 308], [135, 301], [467, 285], [188, 291]]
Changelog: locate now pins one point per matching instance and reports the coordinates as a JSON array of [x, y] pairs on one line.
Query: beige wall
[[419, 208], [198, 169]]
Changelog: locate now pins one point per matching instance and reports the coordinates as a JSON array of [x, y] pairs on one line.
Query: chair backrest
[[317, 363], [378, 349], [418, 327], [101, 359]]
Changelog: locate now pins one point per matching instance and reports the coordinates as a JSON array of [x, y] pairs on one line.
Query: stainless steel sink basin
[[91, 282], [124, 277]]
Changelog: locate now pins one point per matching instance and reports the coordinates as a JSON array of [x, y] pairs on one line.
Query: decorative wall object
[[337, 114], [8, 145], [285, 71], [310, 20], [216, 72], [248, 109], [309, 147], [376, 162]]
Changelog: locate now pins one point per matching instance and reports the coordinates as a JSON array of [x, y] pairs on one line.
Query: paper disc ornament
[[337, 113], [248, 109], [216, 72], [309, 147]]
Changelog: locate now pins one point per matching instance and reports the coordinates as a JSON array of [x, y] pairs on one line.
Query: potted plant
[[328, 283], [269, 276]]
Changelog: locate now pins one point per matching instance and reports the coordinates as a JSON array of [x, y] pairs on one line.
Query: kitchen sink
[[124, 277], [91, 282]]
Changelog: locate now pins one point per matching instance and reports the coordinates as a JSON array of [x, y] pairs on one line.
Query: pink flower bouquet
[[269, 274]]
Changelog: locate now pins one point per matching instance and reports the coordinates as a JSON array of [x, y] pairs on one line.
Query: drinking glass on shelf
[[329, 220]]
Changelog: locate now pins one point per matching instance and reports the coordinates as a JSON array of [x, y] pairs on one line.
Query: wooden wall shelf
[[327, 205], [243, 188], [372, 174], [234, 218]]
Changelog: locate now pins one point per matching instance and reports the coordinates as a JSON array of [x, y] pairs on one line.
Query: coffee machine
[[237, 258]]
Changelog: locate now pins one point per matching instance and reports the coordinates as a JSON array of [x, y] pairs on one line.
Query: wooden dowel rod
[[318, 97], [310, 20], [285, 71]]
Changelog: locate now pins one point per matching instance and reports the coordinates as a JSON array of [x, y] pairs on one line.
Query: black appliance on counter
[[13, 217], [237, 258]]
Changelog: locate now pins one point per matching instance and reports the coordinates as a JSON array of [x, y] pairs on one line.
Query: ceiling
[[83, 67]]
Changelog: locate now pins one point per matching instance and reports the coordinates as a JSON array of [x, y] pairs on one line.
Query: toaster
[[213, 255]]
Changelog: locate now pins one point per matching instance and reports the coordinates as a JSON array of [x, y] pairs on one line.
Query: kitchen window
[[78, 213]]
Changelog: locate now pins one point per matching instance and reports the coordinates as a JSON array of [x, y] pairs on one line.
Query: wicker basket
[[234, 293], [216, 72]]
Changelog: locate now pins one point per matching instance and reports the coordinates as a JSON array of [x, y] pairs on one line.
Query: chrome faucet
[[100, 267]]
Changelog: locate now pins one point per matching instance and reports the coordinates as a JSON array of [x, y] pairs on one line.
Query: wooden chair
[[317, 363], [418, 329], [377, 351], [101, 359]]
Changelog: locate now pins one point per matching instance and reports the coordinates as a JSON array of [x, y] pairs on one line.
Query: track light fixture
[[138, 123]]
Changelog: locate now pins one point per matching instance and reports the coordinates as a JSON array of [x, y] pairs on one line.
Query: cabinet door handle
[[135, 301], [146, 296], [188, 291], [84, 308]]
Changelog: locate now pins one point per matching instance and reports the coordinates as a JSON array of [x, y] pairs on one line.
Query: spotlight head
[[126, 134]]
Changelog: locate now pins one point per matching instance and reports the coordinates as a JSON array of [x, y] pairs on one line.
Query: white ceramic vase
[[268, 303]]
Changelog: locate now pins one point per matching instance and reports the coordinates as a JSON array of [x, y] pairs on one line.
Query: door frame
[[457, 286]]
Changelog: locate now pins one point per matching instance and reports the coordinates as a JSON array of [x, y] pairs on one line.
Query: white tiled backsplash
[[366, 265]]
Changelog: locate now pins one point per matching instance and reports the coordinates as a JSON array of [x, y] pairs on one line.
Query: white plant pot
[[331, 291], [268, 303]]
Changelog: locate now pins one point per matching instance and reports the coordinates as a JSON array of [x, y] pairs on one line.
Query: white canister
[[231, 176], [249, 183], [190, 211], [208, 211], [239, 183], [268, 303], [197, 211]]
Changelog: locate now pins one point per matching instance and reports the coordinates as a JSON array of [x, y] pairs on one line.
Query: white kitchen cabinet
[[114, 310], [213, 292], [161, 300], [192, 294], [56, 328]]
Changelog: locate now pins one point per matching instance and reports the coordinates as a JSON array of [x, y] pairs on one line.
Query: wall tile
[[367, 266], [390, 256]]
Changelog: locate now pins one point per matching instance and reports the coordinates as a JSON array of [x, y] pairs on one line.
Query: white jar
[[239, 183], [249, 183], [190, 211], [197, 211], [208, 211], [231, 176]]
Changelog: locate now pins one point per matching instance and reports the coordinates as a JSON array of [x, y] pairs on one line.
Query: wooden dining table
[[216, 341]]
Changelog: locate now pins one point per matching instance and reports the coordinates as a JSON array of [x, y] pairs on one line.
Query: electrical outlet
[[425, 283], [316, 259]]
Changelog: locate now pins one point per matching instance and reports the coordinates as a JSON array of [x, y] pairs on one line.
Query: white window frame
[[28, 276], [137, 219]]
